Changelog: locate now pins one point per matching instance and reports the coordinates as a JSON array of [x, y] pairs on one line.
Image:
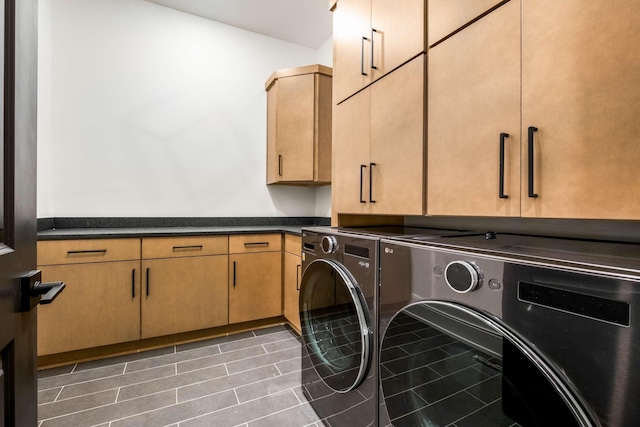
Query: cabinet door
[[351, 52], [474, 97], [581, 90], [351, 139], [99, 306], [295, 127], [398, 33], [292, 276], [397, 141], [255, 286], [184, 294]]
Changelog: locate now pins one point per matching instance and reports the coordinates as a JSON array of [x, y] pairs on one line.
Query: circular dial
[[329, 244], [462, 276]]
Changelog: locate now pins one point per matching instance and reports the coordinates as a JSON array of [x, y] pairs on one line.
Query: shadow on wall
[[292, 200]]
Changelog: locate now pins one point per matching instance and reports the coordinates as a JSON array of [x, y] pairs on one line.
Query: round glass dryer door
[[335, 324], [443, 364]]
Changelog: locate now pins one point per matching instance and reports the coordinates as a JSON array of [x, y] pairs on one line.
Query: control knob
[[462, 276], [329, 244]]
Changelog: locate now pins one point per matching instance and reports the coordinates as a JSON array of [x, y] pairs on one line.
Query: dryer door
[[335, 324], [444, 364]]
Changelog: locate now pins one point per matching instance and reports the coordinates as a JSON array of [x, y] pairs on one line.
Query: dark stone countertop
[[82, 228]]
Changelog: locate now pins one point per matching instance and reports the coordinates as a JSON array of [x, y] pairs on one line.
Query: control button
[[490, 235], [328, 244], [437, 270], [462, 276], [494, 284]]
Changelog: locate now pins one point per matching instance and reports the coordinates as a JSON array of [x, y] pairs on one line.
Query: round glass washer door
[[335, 324], [444, 364]]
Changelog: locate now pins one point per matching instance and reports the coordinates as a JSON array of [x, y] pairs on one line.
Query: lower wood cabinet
[[255, 277], [291, 280], [100, 304], [183, 294]]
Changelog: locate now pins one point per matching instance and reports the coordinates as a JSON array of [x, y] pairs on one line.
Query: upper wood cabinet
[[299, 126], [372, 38], [575, 154], [379, 138]]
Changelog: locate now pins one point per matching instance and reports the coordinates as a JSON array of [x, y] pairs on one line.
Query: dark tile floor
[[250, 379]]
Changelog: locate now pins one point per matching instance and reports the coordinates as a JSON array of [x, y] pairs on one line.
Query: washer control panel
[[463, 276]]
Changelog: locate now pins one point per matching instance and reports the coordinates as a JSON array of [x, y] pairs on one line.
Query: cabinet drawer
[[293, 244], [53, 252], [446, 16], [247, 243], [171, 247]]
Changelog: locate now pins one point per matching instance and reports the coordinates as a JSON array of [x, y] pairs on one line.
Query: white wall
[[147, 111]]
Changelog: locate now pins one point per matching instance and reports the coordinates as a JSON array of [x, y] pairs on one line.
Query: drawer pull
[[88, 252], [298, 268], [187, 248], [256, 244]]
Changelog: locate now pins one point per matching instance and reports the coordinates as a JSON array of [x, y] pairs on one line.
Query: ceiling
[[303, 22]]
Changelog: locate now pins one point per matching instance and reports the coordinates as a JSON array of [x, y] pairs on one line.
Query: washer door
[[444, 364], [335, 324]]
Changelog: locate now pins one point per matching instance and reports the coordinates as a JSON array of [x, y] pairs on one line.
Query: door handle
[[34, 292], [371, 165], [532, 130], [280, 164], [234, 274], [362, 167], [298, 267], [148, 281], [501, 194], [362, 56], [133, 283], [373, 30]]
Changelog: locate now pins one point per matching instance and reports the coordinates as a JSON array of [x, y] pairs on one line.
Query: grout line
[[58, 395], [277, 369], [74, 368], [176, 396], [118, 394], [298, 397], [237, 398]]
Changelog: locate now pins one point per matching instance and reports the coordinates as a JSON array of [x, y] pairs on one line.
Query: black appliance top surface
[[398, 230], [552, 250]]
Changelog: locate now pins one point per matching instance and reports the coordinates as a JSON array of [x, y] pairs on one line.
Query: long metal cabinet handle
[[362, 167], [503, 136], [280, 164], [371, 165], [133, 283], [373, 30], [362, 56], [234, 274], [147, 281], [256, 244], [90, 251], [188, 248], [298, 267], [532, 130]]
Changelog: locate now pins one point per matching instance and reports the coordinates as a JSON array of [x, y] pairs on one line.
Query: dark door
[[18, 392]]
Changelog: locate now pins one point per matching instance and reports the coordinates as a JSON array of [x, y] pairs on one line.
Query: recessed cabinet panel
[[473, 108], [100, 305], [183, 294], [581, 90], [292, 275]]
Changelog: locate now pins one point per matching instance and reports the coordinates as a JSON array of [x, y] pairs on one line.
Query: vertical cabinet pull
[[362, 167], [503, 136], [147, 282], [298, 267], [362, 56], [133, 283], [371, 165], [280, 164], [234, 274], [373, 30], [532, 130]]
